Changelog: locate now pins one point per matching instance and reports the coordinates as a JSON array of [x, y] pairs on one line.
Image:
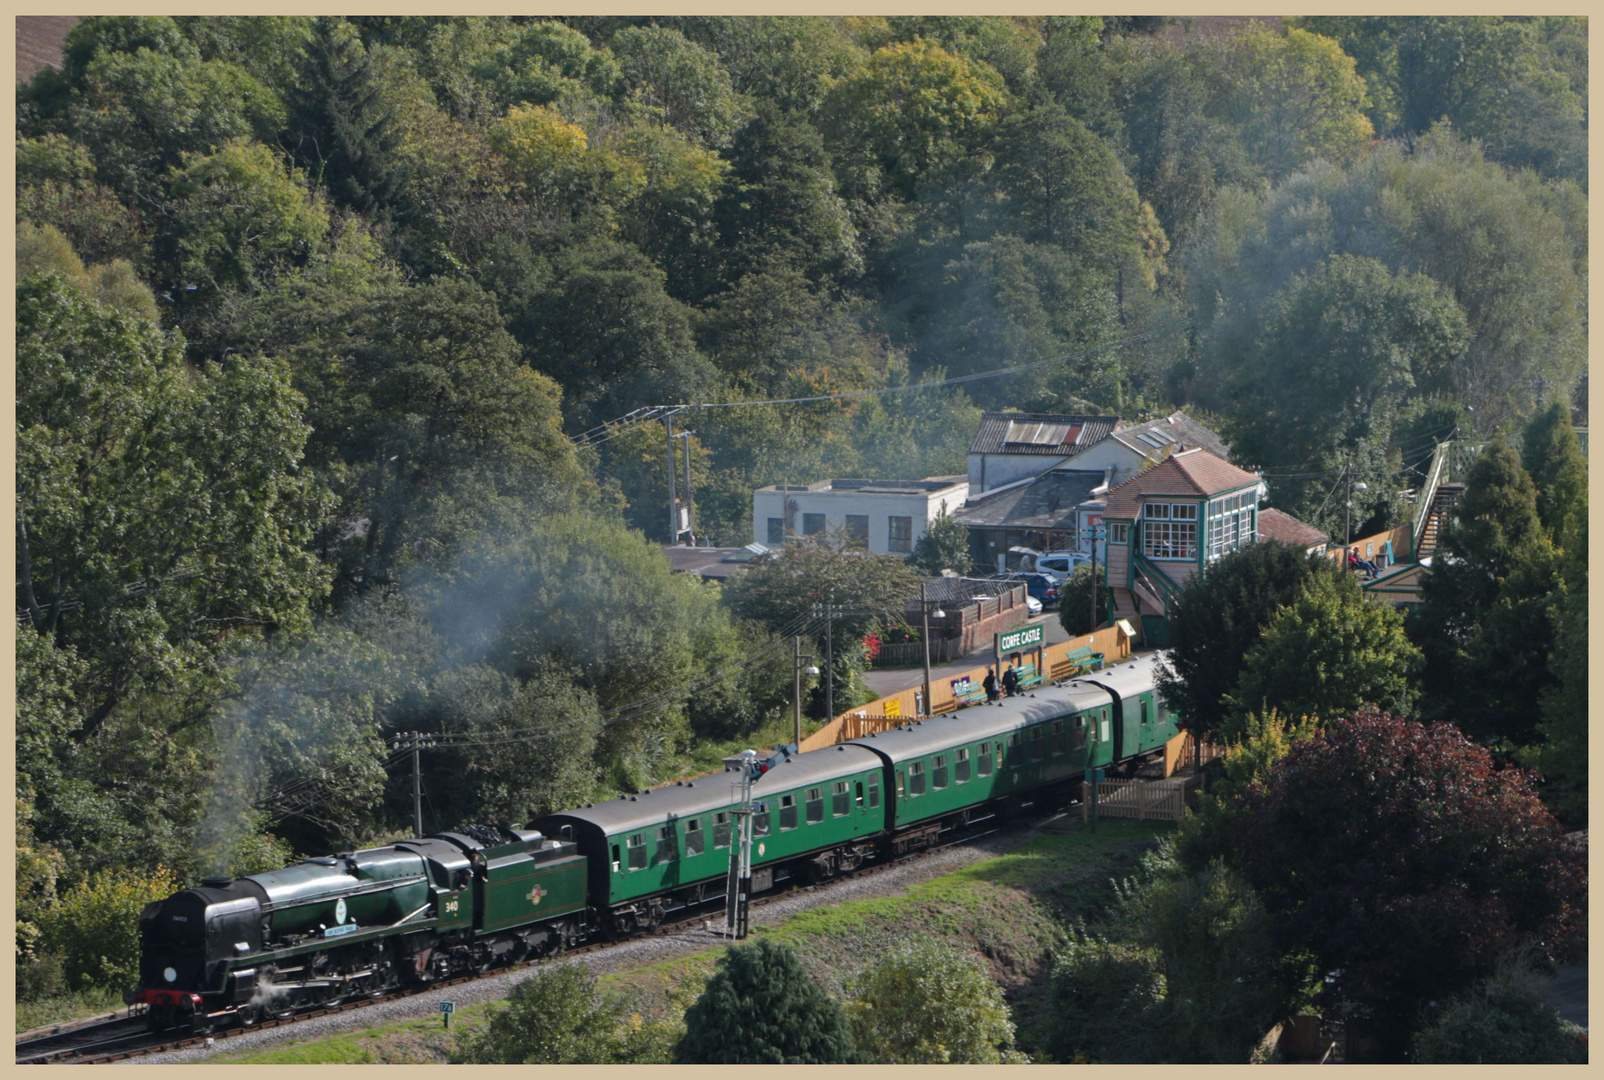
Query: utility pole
[[1095, 619], [796, 696], [924, 610], [1347, 508], [415, 741], [673, 503], [689, 532]]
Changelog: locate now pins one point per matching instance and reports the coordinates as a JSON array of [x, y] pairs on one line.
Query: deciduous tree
[[1405, 863], [927, 1003]]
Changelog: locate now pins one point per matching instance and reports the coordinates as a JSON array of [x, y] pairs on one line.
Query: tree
[[1503, 1021], [782, 589], [761, 1007], [1326, 654], [944, 546], [1219, 615], [1561, 755], [1075, 596], [341, 123], [930, 1004], [547, 62], [1486, 624], [1296, 96], [554, 1017], [43, 249], [681, 80], [913, 114], [1552, 457], [1406, 864], [1337, 355]]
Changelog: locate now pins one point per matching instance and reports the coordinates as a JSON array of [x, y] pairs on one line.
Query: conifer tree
[[1553, 458], [762, 1008]]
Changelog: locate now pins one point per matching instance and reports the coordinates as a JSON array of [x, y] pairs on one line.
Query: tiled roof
[[1048, 502], [1177, 430], [1039, 433], [1191, 472], [1277, 525]]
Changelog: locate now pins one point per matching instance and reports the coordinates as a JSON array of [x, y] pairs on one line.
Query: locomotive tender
[[363, 923]]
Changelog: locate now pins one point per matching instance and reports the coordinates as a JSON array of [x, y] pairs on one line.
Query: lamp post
[[925, 613], [796, 699]]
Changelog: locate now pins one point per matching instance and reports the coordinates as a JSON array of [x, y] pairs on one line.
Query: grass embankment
[[1011, 909]]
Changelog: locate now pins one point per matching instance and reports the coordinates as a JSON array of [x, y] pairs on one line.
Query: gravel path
[[625, 956]]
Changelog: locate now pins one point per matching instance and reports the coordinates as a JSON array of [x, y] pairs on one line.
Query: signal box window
[[637, 852], [900, 539], [812, 524], [858, 529], [840, 800], [665, 844], [916, 779], [960, 768], [815, 806], [787, 812], [938, 775], [693, 837], [983, 766], [721, 831]]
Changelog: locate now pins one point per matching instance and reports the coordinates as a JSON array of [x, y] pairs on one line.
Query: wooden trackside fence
[[954, 691], [1144, 800]]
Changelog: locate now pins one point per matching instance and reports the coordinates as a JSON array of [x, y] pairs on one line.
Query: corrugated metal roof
[[1176, 430], [1048, 502], [1190, 473], [1039, 433]]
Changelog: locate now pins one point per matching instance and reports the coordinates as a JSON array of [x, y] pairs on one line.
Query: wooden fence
[[899, 708], [1144, 800]]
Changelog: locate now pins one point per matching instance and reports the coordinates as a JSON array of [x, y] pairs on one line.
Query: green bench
[[1028, 675], [1076, 662]]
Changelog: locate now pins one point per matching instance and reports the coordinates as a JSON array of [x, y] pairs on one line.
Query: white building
[[1015, 446], [888, 516]]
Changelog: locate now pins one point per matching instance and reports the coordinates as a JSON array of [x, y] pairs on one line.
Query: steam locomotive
[[363, 923]]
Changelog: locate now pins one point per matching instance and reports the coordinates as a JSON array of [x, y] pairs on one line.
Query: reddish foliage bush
[[1399, 857]]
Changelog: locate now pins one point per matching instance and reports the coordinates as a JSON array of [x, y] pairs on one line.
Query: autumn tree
[[1405, 863]]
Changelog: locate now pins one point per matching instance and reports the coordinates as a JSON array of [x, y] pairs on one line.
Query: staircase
[[1441, 513]]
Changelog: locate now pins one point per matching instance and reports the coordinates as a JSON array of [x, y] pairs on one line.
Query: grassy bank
[[1010, 909]]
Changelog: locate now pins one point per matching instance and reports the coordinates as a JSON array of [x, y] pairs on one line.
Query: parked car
[[1041, 586], [1060, 564], [1032, 605]]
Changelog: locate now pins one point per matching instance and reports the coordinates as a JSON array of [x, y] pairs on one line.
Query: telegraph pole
[[686, 435], [415, 741], [673, 503]]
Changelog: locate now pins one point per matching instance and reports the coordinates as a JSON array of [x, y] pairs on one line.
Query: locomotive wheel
[[249, 1015]]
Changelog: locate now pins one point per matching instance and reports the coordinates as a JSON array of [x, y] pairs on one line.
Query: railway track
[[124, 1038]]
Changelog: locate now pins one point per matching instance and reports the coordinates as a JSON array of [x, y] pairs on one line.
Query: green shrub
[[554, 1017], [1504, 1022], [94, 927], [930, 1004], [1106, 997]]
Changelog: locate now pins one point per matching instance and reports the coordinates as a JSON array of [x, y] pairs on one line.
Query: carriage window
[[1060, 743], [938, 777], [916, 779], [841, 800], [693, 837], [984, 767], [901, 790], [665, 844], [760, 821], [721, 831], [787, 812], [874, 794], [1037, 749], [1080, 733], [615, 858], [637, 852], [860, 794], [1144, 712], [960, 768], [815, 806]]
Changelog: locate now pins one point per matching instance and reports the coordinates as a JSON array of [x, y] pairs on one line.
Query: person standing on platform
[[989, 685]]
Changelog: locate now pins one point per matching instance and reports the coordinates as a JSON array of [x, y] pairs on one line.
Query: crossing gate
[[1143, 800]]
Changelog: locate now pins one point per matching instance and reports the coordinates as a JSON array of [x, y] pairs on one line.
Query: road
[[884, 681]]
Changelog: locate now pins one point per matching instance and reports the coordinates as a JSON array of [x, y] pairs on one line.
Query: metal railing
[[1426, 495]]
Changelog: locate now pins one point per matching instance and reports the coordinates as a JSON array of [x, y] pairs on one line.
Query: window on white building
[[1169, 530], [858, 529], [901, 540], [812, 524], [776, 532]]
